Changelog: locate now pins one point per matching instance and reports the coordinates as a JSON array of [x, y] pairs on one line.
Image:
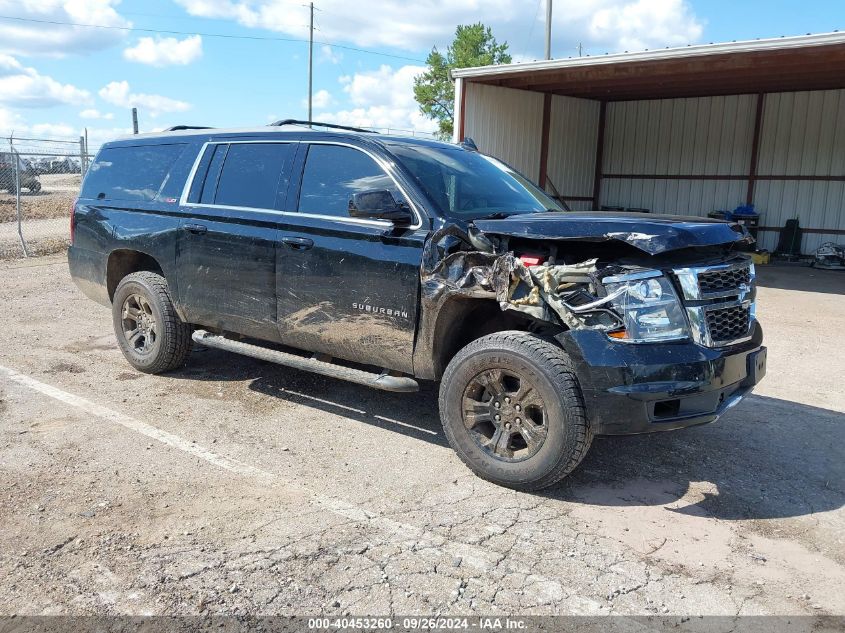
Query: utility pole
[[548, 29], [134, 120], [310, 62], [580, 49]]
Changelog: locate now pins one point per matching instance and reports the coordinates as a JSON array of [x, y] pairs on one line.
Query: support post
[[599, 155], [755, 146], [544, 141], [310, 62], [458, 109], [17, 161], [548, 29], [134, 120]]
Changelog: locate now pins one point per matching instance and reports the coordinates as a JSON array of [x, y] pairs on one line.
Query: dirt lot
[[234, 486], [53, 201], [45, 217]]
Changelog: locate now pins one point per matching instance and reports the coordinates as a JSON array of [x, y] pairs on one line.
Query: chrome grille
[[718, 282], [726, 325], [719, 301]]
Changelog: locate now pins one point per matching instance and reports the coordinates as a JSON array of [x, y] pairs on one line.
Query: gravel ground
[[237, 487]]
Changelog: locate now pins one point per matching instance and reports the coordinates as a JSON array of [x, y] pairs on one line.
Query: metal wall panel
[[702, 136], [682, 197], [803, 134], [816, 204], [573, 133], [507, 124]]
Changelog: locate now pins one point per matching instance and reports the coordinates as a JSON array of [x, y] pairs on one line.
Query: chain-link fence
[[39, 180]]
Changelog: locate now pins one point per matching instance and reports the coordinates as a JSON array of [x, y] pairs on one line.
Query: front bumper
[[643, 388]]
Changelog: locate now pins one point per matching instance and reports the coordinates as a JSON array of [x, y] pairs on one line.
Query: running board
[[380, 381]]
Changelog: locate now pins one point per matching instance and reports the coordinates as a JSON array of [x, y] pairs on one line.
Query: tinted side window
[[333, 173], [130, 173], [252, 175]]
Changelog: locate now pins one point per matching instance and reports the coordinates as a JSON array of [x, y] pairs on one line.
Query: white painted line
[[424, 541], [135, 425], [360, 412]]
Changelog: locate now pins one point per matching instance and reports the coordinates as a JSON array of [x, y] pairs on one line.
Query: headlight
[[648, 306]]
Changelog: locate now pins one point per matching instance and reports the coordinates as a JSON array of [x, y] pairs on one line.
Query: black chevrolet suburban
[[385, 260]]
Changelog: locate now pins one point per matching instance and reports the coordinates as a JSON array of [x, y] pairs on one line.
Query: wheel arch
[[122, 262], [461, 320]]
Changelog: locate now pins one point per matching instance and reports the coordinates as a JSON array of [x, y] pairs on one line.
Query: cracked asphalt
[[237, 487]]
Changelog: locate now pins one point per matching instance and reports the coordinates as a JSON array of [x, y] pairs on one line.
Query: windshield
[[470, 185]]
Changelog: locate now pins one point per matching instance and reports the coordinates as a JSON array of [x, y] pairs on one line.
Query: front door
[[347, 287], [227, 247]]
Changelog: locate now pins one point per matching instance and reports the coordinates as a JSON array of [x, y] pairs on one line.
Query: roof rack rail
[[176, 128], [333, 126]]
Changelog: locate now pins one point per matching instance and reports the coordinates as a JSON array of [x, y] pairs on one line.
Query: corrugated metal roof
[[692, 50], [812, 62]]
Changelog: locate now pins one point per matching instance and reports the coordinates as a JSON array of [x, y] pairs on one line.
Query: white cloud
[[55, 131], [117, 93], [382, 98], [42, 38], [26, 87], [327, 54], [635, 26], [600, 25], [10, 121], [321, 99], [165, 51], [92, 113]]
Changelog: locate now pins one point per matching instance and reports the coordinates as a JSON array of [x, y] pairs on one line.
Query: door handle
[[197, 229], [298, 243]]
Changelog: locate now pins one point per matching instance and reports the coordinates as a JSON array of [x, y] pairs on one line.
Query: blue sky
[[56, 79]]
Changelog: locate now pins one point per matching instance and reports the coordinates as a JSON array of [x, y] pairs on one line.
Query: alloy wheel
[[505, 415], [139, 324]]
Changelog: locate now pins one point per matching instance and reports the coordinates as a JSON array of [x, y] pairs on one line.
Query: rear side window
[[130, 173], [333, 173], [252, 175]]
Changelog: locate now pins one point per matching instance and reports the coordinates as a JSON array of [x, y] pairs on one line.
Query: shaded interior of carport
[[690, 131]]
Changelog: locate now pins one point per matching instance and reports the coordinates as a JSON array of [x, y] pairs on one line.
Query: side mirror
[[379, 204]]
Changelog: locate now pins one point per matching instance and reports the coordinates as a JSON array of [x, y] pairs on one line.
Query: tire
[[162, 341], [534, 375], [35, 187]]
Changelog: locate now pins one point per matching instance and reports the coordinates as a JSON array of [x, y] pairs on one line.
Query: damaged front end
[[629, 303], [620, 292], [691, 291]]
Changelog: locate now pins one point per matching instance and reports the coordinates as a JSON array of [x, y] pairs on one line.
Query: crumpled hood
[[648, 232]]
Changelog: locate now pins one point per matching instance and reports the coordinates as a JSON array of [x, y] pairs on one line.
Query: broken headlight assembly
[[647, 306]]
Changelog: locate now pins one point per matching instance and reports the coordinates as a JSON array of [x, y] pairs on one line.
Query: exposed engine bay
[[613, 282]]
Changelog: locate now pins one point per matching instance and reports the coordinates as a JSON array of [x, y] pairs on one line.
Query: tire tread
[[563, 375], [177, 333]]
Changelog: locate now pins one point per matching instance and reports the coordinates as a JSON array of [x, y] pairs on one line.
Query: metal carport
[[685, 130]]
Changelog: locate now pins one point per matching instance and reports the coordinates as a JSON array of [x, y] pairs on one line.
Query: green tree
[[474, 45]]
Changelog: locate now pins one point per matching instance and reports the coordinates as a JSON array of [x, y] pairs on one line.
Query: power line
[[218, 35]]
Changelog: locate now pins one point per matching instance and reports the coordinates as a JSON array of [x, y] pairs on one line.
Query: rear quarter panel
[[103, 227]]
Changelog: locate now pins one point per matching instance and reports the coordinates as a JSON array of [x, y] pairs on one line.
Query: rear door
[[348, 287], [227, 243]]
